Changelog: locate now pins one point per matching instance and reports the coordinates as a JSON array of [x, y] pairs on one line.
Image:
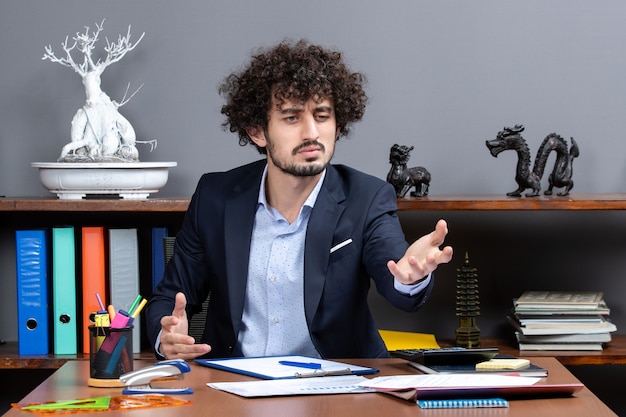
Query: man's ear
[[257, 135]]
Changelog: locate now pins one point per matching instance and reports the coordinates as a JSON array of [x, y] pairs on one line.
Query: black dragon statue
[[561, 176], [403, 178]]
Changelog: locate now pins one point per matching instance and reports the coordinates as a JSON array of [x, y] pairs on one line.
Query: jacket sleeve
[[185, 272], [384, 240]]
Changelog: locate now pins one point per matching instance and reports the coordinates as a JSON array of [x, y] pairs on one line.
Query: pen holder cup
[[110, 352]]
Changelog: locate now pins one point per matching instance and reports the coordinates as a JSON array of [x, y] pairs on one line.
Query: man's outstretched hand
[[423, 256]]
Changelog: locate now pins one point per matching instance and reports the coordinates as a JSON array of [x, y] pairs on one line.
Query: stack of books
[[558, 320]]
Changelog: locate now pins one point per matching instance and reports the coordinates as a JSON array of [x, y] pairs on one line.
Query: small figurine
[[403, 178], [561, 176], [467, 306]]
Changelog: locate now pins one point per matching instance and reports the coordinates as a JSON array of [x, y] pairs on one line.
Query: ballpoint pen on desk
[[321, 372], [307, 365], [317, 369]]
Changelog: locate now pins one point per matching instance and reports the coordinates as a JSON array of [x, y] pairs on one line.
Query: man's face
[[300, 136]]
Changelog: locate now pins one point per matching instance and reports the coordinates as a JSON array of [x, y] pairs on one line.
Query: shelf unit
[[151, 205], [16, 212], [615, 201]]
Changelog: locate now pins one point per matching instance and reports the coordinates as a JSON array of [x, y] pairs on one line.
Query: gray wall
[[444, 76]]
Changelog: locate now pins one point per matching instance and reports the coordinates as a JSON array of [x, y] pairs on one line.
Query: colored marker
[[115, 355], [139, 308], [134, 304], [120, 321], [111, 311], [102, 308]]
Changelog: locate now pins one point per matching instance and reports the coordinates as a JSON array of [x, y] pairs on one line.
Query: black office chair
[[197, 320]]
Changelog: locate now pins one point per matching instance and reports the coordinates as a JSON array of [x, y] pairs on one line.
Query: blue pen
[[308, 365]]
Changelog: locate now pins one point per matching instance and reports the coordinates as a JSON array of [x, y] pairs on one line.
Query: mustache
[[308, 144]]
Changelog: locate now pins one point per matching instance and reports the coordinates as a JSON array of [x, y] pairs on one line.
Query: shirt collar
[[309, 202]]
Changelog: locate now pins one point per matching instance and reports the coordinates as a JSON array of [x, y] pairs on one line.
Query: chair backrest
[[197, 320]]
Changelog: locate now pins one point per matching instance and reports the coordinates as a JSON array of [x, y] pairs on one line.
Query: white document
[[274, 367], [401, 382], [302, 386]]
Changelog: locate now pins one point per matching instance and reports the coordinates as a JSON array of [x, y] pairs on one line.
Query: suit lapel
[[319, 237], [240, 209]]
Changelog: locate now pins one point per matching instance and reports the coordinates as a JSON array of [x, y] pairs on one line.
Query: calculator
[[446, 356]]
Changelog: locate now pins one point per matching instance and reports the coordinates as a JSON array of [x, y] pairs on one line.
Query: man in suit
[[287, 246]]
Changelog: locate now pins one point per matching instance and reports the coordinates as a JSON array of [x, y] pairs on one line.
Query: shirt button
[[275, 320], [273, 278]]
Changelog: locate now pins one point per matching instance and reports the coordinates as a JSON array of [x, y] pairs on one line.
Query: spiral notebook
[[464, 403]]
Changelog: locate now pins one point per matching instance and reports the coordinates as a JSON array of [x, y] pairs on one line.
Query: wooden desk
[[69, 382]]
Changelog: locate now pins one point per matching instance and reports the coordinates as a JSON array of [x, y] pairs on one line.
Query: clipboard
[[285, 367]]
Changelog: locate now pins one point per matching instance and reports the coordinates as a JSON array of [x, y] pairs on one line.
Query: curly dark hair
[[291, 71]]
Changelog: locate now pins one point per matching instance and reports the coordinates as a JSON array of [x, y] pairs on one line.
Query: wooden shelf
[[499, 202], [9, 358], [160, 205], [616, 201], [614, 353]]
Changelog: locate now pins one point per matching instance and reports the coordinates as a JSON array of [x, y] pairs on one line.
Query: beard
[[309, 168]]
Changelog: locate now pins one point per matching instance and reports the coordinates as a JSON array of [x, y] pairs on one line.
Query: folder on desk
[[93, 279], [31, 250], [284, 367], [397, 340], [64, 318]]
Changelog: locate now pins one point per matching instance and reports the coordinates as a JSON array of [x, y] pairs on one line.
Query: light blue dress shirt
[[273, 315]]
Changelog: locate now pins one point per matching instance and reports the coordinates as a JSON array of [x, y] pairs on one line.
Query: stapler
[[138, 382]]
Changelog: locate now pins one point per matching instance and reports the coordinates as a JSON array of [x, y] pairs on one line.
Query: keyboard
[[446, 356]]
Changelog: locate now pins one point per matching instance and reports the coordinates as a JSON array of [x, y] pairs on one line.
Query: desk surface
[[70, 382]]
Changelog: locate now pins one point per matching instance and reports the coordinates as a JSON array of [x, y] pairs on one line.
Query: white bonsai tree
[[99, 132]]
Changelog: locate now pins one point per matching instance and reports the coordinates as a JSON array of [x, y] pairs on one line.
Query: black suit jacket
[[213, 247]]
